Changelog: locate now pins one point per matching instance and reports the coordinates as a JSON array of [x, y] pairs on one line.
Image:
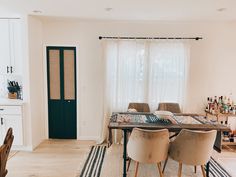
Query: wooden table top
[[203, 125]]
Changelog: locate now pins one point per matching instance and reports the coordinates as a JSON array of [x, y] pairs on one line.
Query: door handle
[[11, 69], [1, 121], [7, 69]]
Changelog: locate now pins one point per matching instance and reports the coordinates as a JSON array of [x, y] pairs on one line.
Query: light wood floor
[[53, 158], [227, 159], [65, 158]]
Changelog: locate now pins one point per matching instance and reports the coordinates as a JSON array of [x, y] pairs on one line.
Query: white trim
[[94, 138], [45, 89], [22, 148]]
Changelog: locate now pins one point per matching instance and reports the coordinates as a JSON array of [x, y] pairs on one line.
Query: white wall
[[26, 89], [212, 65], [9, 13], [36, 84]]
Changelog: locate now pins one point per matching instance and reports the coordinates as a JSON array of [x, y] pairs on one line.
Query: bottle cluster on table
[[221, 104]]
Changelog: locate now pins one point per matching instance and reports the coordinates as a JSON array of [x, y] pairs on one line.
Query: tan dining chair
[[136, 107], [140, 107], [172, 107], [148, 146], [192, 148], [4, 152]]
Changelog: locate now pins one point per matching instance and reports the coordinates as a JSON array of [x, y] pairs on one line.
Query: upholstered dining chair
[[140, 107], [172, 107], [4, 152], [192, 148], [148, 146]]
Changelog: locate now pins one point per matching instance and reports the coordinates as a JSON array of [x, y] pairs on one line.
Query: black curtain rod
[[195, 38]]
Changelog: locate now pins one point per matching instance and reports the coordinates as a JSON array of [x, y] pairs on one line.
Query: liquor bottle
[[233, 112], [215, 105], [220, 104], [213, 110], [225, 100], [208, 104], [215, 100], [226, 110]]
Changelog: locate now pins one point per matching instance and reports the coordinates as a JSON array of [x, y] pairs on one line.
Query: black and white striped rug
[[216, 170], [93, 164]]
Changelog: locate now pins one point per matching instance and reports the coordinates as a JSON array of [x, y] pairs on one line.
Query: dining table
[[126, 121]]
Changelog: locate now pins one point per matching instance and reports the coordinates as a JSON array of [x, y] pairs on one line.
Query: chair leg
[[203, 171], [129, 162], [136, 169], [180, 169], [195, 169], [163, 170], [159, 169]]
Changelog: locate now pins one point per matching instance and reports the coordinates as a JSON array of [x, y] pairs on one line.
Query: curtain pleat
[[143, 71]]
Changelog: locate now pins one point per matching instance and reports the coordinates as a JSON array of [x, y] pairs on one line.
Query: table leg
[[110, 141], [124, 153], [207, 168]]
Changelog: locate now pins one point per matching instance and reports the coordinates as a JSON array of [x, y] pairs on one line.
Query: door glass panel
[[54, 74], [69, 75]]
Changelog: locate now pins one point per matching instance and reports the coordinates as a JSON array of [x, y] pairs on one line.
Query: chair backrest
[[140, 107], [4, 152], [148, 146], [193, 147], [172, 107]]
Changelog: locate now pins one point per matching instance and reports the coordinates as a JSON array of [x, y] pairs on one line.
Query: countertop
[[5, 101]]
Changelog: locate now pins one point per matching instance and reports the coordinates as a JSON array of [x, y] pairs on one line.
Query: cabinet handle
[[1, 121], [1, 109], [7, 69], [11, 69]]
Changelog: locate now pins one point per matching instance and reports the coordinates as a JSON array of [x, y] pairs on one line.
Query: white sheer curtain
[[168, 71], [143, 71]]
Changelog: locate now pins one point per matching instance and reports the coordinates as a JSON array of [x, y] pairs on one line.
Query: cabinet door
[[2, 130], [4, 46], [15, 46], [14, 121]]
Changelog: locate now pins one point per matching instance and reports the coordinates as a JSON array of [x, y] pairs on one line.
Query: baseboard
[[22, 148], [93, 138]]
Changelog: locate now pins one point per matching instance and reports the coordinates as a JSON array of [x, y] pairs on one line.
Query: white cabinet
[[16, 46], [10, 46], [11, 116], [4, 46]]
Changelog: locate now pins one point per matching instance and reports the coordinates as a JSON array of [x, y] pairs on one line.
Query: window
[[145, 71]]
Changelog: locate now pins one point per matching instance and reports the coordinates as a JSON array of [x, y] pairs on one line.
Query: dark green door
[[61, 72]]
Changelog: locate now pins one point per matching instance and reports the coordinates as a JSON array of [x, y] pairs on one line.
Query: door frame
[[46, 91]]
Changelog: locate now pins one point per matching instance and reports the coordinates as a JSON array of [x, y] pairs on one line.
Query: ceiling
[[161, 10]]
